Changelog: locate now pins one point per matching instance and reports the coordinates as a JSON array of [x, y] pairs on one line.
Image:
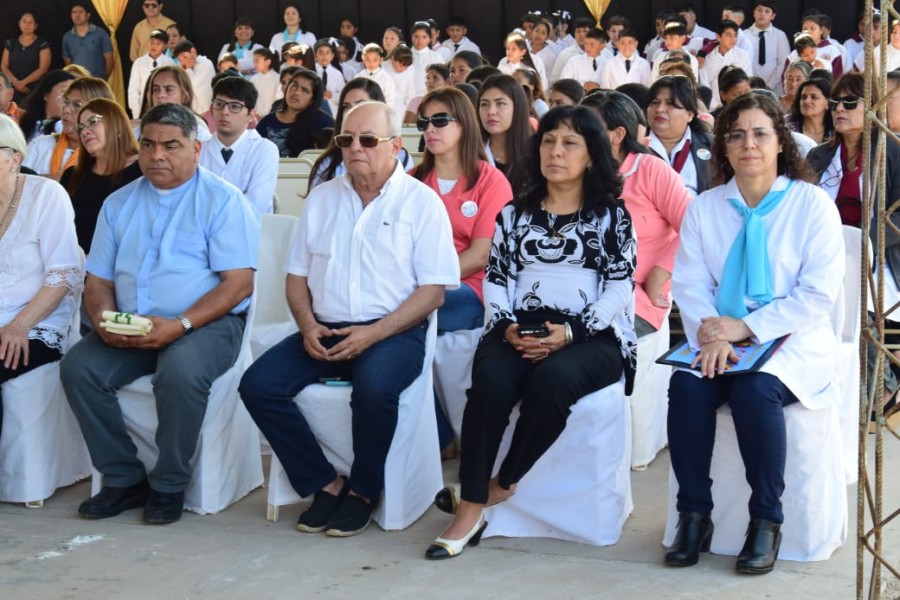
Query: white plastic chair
[[580, 489], [412, 473], [848, 352], [453, 358], [272, 321], [41, 445], [227, 464], [649, 401], [815, 494], [292, 185]]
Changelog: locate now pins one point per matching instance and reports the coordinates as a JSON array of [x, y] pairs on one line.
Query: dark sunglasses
[[849, 102], [439, 120], [366, 140]]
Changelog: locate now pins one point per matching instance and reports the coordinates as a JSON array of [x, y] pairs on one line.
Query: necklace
[[12, 205], [551, 220]]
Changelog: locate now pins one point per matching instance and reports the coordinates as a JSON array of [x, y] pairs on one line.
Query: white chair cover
[[453, 358], [580, 490], [41, 445], [412, 473], [227, 463], [848, 353], [815, 494], [272, 321], [649, 400]]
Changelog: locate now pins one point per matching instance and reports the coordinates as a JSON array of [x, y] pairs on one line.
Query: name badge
[[704, 154], [469, 208]]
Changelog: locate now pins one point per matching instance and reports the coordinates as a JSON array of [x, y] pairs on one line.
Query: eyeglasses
[[233, 107], [366, 140], [88, 123], [849, 102], [439, 120], [65, 104], [150, 5], [738, 137]]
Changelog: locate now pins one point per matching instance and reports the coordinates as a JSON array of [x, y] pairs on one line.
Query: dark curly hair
[[602, 182], [789, 163]]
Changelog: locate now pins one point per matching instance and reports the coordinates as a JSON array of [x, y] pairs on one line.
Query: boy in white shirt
[[266, 80], [694, 29], [399, 67], [674, 36], [586, 68], [735, 12], [143, 66], [372, 56], [725, 54], [200, 70], [327, 68], [456, 31], [580, 27], [772, 47], [627, 66]]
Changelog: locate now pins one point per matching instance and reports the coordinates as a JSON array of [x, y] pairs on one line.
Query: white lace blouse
[[40, 249]]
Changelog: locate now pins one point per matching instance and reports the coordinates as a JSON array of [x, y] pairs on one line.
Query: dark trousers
[[757, 402], [547, 389], [379, 375], [39, 354]]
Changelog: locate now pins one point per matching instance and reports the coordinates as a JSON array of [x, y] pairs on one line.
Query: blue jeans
[[379, 375], [462, 309]]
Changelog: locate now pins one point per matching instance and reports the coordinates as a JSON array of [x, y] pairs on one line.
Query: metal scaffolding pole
[[870, 509]]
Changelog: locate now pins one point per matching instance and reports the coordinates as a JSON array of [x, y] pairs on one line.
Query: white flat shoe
[[443, 548]]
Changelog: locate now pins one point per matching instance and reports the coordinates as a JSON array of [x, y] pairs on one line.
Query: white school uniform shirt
[[350, 68], [688, 170], [464, 44], [661, 56], [652, 47], [386, 82], [806, 257], [253, 168], [444, 52], [715, 62], [562, 59], [140, 74], [853, 47], [335, 85], [421, 60], [245, 62], [548, 57], [777, 50], [404, 84], [201, 75], [893, 59], [282, 37], [614, 73], [268, 87], [507, 67], [361, 264], [581, 69], [794, 57], [745, 43], [702, 33]]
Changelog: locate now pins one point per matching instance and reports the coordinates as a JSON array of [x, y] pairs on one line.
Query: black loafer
[[163, 508], [111, 501], [351, 518], [315, 518], [760, 551], [694, 536]]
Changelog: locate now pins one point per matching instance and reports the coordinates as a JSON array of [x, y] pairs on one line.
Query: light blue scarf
[[239, 50], [747, 270]]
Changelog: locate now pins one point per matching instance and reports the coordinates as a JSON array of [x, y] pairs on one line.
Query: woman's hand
[[531, 347], [722, 329], [13, 345], [653, 286], [714, 357]]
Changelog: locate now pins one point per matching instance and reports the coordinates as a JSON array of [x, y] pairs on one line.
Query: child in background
[[372, 59], [587, 68], [345, 48], [349, 29], [328, 70], [392, 38], [266, 80], [518, 56], [227, 61], [143, 66], [674, 35], [399, 67], [807, 50], [422, 55], [456, 31], [436, 77]]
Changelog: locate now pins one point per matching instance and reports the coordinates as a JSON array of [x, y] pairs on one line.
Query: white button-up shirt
[[253, 168], [362, 263], [715, 62], [688, 170]]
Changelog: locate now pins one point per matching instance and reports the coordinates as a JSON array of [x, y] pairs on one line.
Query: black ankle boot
[[760, 551], [693, 537]]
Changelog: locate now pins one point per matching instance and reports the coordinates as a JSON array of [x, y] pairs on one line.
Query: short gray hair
[[11, 136], [172, 114], [393, 118]]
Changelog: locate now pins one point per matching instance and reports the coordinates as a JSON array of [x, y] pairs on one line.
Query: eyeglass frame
[[759, 135], [64, 103], [228, 105], [361, 137], [439, 120], [88, 123], [846, 101]]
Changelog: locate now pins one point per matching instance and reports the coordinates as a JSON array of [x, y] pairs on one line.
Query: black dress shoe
[[693, 537], [111, 501], [447, 500], [163, 508], [324, 505], [760, 551]]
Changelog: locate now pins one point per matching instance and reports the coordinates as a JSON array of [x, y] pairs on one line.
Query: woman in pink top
[[454, 165], [656, 197]]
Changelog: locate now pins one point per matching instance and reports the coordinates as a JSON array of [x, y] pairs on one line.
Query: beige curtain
[[111, 11], [597, 9]]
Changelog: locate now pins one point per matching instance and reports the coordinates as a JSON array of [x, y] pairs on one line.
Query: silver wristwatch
[[186, 323]]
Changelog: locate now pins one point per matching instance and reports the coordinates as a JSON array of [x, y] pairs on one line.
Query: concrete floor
[[51, 553]]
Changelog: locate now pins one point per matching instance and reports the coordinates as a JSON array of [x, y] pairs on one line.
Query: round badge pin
[[469, 208], [704, 154]]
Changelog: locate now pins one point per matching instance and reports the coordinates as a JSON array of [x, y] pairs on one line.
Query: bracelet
[[568, 333]]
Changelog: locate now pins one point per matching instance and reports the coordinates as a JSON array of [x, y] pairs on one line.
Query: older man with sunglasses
[[154, 19], [370, 260]]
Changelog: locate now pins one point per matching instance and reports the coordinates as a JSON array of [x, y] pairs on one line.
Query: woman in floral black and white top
[[562, 257]]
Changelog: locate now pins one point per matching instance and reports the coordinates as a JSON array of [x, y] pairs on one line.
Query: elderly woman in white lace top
[[41, 269]]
